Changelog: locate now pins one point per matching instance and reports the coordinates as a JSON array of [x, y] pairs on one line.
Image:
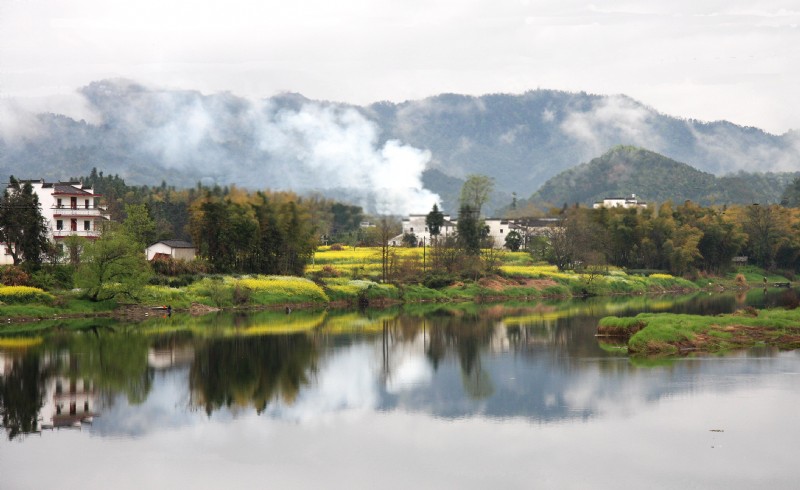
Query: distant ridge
[[626, 170]]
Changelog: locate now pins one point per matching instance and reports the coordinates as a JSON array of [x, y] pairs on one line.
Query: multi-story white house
[[69, 208]]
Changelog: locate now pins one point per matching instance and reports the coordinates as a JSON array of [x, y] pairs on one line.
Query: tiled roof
[[175, 244], [65, 188]]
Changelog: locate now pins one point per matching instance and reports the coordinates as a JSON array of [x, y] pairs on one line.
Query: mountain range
[[376, 155]]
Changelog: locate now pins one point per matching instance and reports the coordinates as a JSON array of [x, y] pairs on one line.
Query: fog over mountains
[[374, 155]]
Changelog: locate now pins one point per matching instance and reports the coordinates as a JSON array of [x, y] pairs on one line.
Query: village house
[[69, 208], [415, 224], [497, 229], [171, 249], [620, 202]]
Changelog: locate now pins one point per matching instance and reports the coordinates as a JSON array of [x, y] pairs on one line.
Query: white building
[[174, 249], [415, 224], [620, 202], [497, 228], [69, 208]]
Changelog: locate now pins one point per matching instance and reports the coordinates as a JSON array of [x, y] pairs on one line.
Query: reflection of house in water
[[170, 356], [67, 403]]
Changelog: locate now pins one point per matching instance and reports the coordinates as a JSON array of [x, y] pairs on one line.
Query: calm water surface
[[504, 396]]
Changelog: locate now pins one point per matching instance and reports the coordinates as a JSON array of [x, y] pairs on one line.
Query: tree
[[434, 221], [513, 241], [113, 266], [386, 230], [791, 195], [469, 230], [475, 192], [22, 227], [763, 233], [139, 225], [409, 240]]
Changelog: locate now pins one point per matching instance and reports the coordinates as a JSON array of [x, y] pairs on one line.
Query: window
[[412, 229], [59, 224], [73, 225], [59, 204], [86, 204], [73, 202], [87, 225], [501, 231]]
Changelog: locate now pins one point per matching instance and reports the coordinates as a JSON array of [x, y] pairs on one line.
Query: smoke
[[283, 143]]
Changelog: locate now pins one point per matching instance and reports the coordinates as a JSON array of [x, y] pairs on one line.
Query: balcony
[[96, 211], [80, 233]]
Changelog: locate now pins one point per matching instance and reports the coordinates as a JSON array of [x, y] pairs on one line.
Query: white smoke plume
[[284, 143]]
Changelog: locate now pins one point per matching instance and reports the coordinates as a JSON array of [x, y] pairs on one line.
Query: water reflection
[[534, 361], [255, 371]]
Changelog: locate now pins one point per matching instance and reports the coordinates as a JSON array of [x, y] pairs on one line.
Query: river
[[518, 395]]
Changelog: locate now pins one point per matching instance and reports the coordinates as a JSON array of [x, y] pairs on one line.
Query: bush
[[437, 281], [173, 267], [11, 275], [241, 295], [740, 280], [24, 294]]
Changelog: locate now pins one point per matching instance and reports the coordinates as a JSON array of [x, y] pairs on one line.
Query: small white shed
[[175, 249]]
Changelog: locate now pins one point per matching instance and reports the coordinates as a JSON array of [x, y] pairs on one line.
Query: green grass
[[665, 333]]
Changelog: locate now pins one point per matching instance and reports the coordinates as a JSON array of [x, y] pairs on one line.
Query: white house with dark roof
[[69, 208], [173, 249], [415, 224], [620, 202]]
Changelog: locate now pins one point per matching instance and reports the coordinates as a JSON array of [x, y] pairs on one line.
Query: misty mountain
[[523, 140], [626, 170], [385, 156]]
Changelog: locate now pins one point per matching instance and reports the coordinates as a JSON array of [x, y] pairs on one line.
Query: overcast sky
[[707, 59]]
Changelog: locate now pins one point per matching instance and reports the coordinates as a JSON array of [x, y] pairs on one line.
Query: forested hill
[[626, 170], [147, 135]]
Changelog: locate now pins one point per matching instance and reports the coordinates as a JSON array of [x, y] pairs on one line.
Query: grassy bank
[[670, 333], [351, 277]]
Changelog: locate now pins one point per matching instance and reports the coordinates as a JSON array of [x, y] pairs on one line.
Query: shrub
[[241, 295], [11, 275], [337, 247], [173, 267], [437, 281], [24, 294], [740, 280]]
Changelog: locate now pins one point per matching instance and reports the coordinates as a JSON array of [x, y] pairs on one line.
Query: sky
[[736, 60]]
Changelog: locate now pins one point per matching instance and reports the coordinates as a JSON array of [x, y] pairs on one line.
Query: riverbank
[[515, 280], [677, 334]]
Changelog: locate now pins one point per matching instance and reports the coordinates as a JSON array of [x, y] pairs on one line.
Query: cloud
[[611, 121]]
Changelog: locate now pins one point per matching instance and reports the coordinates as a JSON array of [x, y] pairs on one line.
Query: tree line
[[681, 239]]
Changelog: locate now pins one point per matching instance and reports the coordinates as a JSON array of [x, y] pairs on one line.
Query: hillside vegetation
[[626, 170]]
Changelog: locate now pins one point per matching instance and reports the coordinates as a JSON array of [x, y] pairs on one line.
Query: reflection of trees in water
[[22, 391], [464, 334], [251, 370], [115, 361]]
